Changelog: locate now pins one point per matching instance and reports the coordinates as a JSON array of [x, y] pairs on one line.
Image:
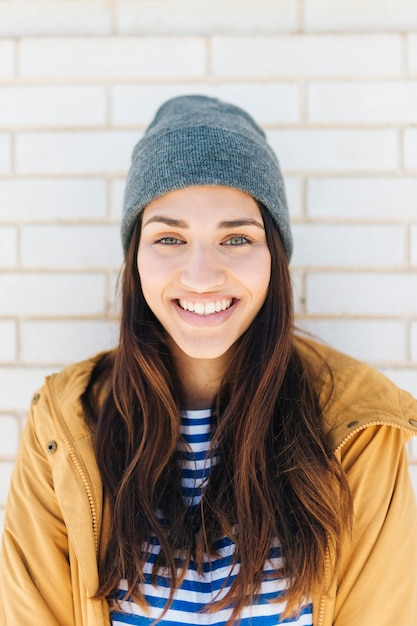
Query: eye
[[169, 241], [237, 240]]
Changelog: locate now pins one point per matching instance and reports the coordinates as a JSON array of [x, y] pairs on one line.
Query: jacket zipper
[[67, 438], [339, 447]]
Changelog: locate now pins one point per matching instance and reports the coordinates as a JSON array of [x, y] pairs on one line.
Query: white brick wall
[[7, 62], [359, 199], [5, 153], [308, 55], [55, 199], [52, 107], [410, 147], [111, 58], [369, 103], [212, 16], [333, 83], [359, 15]]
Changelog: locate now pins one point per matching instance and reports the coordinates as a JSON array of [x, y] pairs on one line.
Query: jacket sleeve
[[377, 582], [35, 580]]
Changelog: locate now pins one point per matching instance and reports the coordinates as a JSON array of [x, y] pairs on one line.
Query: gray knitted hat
[[196, 140]]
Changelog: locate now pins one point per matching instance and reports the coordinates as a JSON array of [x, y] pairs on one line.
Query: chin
[[202, 352]]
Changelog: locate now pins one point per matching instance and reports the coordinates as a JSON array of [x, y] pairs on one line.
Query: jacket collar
[[353, 394]]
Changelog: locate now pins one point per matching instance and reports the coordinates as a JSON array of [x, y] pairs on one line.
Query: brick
[[366, 340], [403, 378], [52, 106], [410, 148], [8, 341], [413, 341], [112, 57], [68, 246], [75, 152], [413, 245], [52, 294], [18, 385], [9, 436], [8, 246], [412, 53], [59, 199], [267, 102], [372, 103], [298, 290], [311, 55], [5, 475], [362, 198], [294, 191], [62, 342], [20, 19], [5, 153], [357, 15], [348, 245], [206, 17], [116, 197], [366, 293], [335, 150], [114, 306], [7, 63]]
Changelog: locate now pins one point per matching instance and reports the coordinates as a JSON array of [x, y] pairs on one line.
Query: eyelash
[[245, 240], [173, 241]]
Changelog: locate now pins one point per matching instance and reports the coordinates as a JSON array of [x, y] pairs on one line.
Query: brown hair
[[276, 478]]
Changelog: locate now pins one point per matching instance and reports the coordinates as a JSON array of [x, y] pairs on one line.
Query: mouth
[[205, 309]]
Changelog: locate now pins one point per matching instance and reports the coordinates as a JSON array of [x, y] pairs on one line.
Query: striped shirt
[[197, 590]]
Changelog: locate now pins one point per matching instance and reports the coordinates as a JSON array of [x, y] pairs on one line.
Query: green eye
[[237, 240], [169, 241]]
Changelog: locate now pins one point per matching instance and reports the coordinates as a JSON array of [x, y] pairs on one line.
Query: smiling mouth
[[206, 308]]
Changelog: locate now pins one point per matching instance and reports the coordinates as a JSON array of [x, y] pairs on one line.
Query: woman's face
[[204, 266]]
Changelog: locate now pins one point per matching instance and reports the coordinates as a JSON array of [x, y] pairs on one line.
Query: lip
[[205, 321]]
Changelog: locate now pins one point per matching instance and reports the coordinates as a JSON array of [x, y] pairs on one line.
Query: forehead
[[203, 201]]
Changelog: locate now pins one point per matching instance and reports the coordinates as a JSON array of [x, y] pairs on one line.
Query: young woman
[[213, 468]]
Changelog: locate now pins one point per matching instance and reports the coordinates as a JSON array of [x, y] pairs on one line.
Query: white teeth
[[199, 308], [205, 308]]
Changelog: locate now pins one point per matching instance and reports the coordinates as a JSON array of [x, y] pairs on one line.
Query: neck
[[200, 379]]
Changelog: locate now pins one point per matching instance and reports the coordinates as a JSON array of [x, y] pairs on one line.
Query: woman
[[214, 468]]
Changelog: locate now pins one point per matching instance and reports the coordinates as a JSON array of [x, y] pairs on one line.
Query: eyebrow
[[161, 219], [166, 220], [238, 223]]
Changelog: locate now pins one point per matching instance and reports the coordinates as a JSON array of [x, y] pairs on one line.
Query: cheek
[[155, 277], [258, 275]]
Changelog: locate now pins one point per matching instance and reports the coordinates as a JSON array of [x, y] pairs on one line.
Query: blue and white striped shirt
[[197, 590]]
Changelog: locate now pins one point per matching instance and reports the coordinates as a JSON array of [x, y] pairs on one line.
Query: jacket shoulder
[[354, 395], [59, 399], [73, 380]]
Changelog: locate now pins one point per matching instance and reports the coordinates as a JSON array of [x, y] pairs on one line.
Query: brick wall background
[[333, 82]]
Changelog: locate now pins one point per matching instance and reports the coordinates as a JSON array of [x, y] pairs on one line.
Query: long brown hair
[[276, 478]]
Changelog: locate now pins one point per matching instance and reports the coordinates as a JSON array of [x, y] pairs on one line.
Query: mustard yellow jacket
[[55, 519]]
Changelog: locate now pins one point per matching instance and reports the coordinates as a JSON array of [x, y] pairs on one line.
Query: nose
[[203, 270]]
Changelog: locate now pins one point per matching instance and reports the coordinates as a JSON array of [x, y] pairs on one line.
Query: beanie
[[197, 140]]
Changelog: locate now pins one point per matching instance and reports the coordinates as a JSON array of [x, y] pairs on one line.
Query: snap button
[[413, 423], [52, 446], [35, 398], [352, 424]]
